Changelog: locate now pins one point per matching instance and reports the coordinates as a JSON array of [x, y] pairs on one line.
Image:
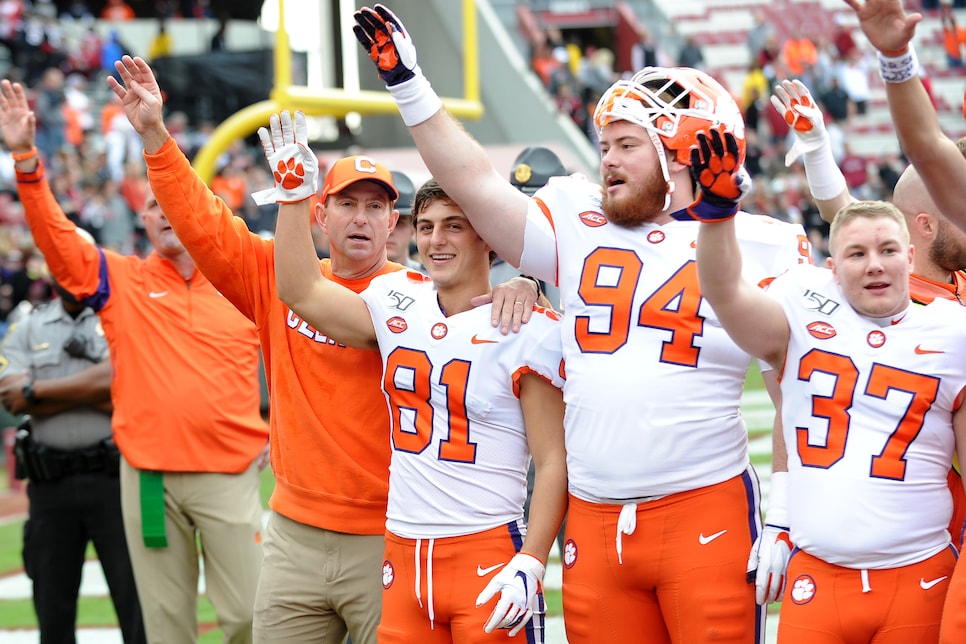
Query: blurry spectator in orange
[[543, 62], [133, 187], [799, 55], [117, 10], [954, 37], [231, 185]]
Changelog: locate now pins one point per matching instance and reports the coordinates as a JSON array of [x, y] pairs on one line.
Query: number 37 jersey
[[653, 382], [459, 447], [867, 413]]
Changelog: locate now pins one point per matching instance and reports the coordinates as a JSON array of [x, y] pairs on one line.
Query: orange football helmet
[[675, 103]]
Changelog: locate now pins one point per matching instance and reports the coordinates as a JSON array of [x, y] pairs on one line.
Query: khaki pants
[[224, 512], [317, 585]]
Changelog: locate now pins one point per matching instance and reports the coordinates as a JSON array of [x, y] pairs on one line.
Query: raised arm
[[754, 321], [329, 307], [496, 209], [936, 158]]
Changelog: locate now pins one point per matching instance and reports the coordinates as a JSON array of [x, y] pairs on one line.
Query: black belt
[[42, 463]]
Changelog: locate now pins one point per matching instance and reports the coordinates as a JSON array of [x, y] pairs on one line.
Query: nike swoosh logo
[[156, 295], [483, 572], [898, 320], [703, 540], [476, 340], [922, 352], [926, 585]]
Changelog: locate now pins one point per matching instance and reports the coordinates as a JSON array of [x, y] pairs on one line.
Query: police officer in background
[[54, 366], [531, 171], [398, 246]]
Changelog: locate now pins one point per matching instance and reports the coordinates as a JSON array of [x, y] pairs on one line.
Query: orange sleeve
[[239, 263], [73, 262]]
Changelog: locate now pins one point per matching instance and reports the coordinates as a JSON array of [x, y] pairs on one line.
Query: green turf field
[[98, 611]]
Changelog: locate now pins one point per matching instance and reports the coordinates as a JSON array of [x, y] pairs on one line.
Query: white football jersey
[[653, 381], [867, 412], [459, 447]]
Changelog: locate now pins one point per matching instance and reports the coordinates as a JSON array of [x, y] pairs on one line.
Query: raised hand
[[18, 124], [517, 584], [140, 94], [294, 166], [793, 101], [717, 170], [383, 36], [885, 23]]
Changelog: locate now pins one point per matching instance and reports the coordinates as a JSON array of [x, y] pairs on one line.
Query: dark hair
[[427, 194]]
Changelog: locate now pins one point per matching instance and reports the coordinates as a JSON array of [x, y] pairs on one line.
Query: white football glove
[[793, 101], [768, 561], [517, 584], [294, 166]]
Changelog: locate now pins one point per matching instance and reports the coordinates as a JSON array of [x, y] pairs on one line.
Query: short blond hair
[[867, 210]]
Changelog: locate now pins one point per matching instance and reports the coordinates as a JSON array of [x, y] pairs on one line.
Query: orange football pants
[[681, 575], [824, 603], [953, 630], [430, 588]]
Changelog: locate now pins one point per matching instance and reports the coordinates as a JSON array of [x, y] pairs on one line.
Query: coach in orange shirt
[[186, 404], [321, 576]]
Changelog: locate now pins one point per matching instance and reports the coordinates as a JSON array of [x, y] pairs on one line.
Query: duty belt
[[41, 463]]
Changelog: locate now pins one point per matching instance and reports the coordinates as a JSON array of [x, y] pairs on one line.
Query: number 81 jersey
[[653, 382], [459, 446]]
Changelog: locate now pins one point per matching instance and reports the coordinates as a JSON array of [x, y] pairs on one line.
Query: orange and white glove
[[382, 34], [718, 173], [294, 166], [517, 584], [768, 562], [812, 142], [794, 102]]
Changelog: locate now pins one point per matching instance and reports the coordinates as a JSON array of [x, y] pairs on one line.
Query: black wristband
[[28, 392]]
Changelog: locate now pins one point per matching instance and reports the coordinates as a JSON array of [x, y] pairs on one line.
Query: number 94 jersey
[[459, 447], [653, 381]]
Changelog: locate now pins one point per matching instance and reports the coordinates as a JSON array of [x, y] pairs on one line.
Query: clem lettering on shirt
[[400, 301], [819, 303], [302, 328]]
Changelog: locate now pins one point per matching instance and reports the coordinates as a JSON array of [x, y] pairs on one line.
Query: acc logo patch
[[592, 219], [439, 331], [397, 324], [388, 574], [803, 589], [821, 330], [655, 236], [876, 339], [570, 553]]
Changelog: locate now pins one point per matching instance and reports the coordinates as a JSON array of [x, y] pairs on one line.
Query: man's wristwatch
[[28, 392]]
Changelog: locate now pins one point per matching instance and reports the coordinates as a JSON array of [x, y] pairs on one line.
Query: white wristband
[[777, 514], [825, 180], [899, 69], [415, 98]]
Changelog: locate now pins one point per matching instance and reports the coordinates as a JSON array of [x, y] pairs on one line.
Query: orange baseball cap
[[349, 170]]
